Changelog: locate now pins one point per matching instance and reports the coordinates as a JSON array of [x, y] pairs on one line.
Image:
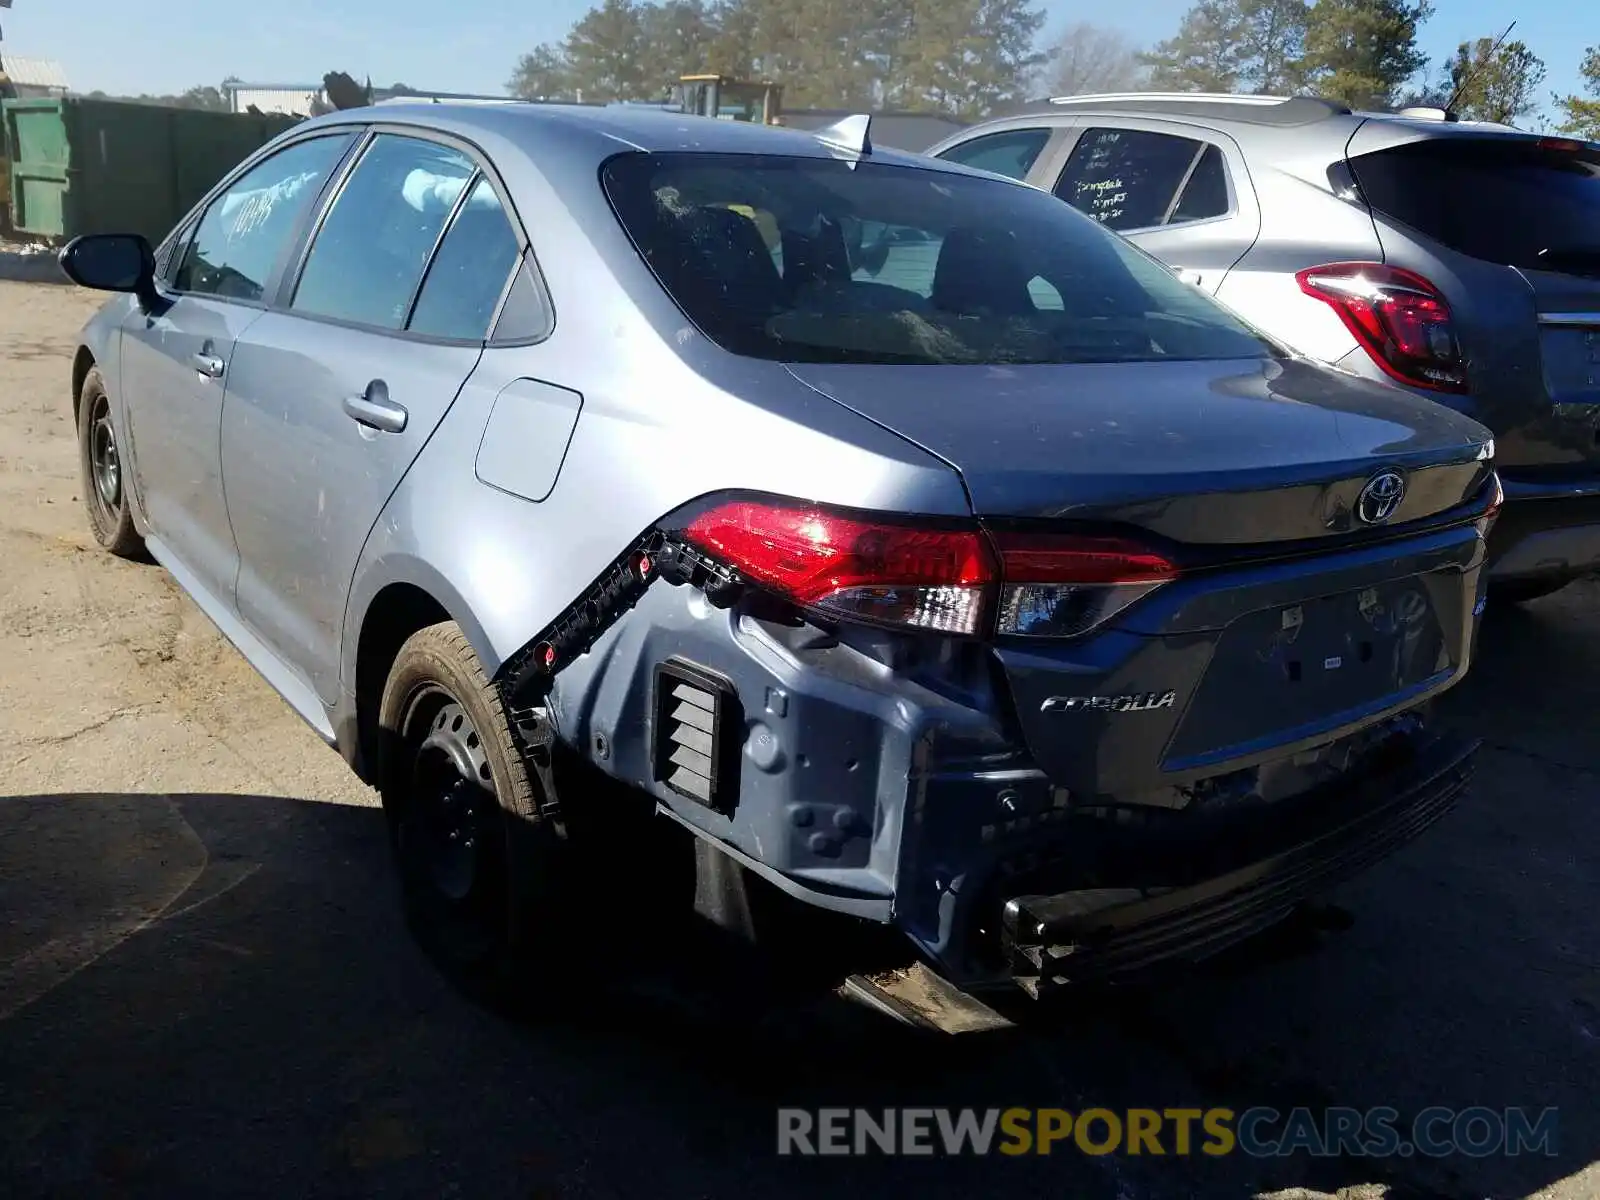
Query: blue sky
[[471, 45]]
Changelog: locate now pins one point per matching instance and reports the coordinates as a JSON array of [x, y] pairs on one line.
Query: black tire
[[101, 477], [480, 865], [1520, 591]]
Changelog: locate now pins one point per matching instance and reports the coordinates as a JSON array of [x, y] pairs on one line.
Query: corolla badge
[[1137, 702], [1380, 497]]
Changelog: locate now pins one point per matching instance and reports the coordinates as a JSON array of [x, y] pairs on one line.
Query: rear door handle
[[1189, 276], [374, 409], [209, 365]]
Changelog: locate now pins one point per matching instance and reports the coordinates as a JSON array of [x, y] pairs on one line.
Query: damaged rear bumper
[[916, 783], [1246, 883]]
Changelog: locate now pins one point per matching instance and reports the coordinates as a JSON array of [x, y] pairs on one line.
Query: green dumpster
[[104, 166]]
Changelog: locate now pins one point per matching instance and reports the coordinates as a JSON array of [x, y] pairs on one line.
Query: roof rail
[[1254, 110], [1214, 97]]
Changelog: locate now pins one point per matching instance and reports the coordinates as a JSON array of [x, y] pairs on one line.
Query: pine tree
[[823, 51], [731, 49], [1272, 33], [965, 57], [1233, 46], [1582, 113], [1362, 52], [605, 52], [1495, 84], [676, 38], [542, 74], [1207, 54]]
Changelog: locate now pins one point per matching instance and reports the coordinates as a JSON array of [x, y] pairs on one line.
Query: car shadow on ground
[[216, 994]]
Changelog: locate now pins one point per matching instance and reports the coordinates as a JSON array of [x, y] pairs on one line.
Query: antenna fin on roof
[[852, 135]]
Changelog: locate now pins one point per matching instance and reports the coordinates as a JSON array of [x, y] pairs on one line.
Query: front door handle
[[208, 364], [374, 409]]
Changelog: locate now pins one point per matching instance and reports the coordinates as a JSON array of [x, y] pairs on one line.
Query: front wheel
[[478, 859], [102, 478]]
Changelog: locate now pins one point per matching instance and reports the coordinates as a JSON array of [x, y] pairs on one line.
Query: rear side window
[[1206, 193], [469, 273], [369, 255], [526, 315], [1010, 153], [1503, 200], [239, 240], [1135, 179], [819, 260]]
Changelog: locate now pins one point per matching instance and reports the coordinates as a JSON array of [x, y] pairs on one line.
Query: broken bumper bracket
[[1092, 936]]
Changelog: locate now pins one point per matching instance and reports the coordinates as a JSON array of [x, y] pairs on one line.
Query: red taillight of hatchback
[[1397, 316], [945, 579]]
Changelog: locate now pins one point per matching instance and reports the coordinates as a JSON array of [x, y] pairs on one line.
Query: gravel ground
[[205, 989]]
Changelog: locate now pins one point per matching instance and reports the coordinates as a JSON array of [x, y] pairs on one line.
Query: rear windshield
[[809, 260], [1506, 201]]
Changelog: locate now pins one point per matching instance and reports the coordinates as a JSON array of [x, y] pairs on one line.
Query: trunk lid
[[1264, 655], [1227, 452]]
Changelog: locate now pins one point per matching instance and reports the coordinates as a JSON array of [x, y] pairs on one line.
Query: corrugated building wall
[[294, 99]]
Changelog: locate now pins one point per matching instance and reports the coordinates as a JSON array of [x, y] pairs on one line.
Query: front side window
[[869, 262], [1129, 178], [374, 244], [1010, 153], [242, 235]]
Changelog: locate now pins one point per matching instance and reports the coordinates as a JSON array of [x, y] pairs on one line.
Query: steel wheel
[[102, 480], [481, 870], [105, 465], [452, 838]]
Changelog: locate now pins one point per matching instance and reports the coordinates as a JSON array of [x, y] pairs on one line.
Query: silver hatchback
[[1455, 259]]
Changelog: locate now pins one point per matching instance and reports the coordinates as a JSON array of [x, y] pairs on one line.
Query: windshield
[[815, 260], [1504, 200]]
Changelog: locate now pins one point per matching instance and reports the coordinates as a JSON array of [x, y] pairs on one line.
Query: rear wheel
[[477, 858], [101, 475], [1520, 591]]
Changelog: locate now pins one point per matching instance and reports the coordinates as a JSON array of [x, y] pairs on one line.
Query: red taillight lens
[[1062, 586], [1399, 318], [875, 571], [1092, 561], [943, 580]]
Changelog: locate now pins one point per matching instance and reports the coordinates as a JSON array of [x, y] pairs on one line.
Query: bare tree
[[1088, 58]]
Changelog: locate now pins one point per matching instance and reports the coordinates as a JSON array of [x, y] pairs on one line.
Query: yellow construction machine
[[730, 99]]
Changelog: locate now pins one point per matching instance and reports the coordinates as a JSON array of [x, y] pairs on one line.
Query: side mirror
[[112, 262]]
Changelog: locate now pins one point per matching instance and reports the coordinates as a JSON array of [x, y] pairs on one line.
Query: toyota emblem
[[1380, 498]]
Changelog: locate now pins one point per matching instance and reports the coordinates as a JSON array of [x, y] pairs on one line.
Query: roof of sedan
[[614, 128]]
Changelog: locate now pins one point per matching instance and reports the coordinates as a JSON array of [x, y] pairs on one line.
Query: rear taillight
[[1062, 586], [1397, 316], [946, 580], [882, 572]]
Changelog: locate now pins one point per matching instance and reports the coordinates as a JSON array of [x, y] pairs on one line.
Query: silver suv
[[1457, 259]]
